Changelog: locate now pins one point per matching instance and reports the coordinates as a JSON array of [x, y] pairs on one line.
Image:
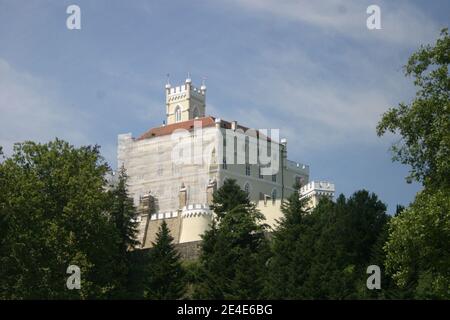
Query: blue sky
[[310, 68]]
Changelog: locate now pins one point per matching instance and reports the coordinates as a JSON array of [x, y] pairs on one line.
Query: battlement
[[164, 215], [185, 88], [195, 210], [317, 188], [185, 102], [297, 166]]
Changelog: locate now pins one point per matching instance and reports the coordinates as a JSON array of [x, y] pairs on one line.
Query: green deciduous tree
[[419, 236], [418, 248], [54, 214], [165, 276], [424, 124]]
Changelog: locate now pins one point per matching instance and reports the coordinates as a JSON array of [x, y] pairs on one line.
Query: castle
[[174, 169]]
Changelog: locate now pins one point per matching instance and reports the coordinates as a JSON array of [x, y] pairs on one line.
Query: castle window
[[213, 157], [224, 152], [247, 187], [247, 170], [274, 195], [177, 114], [195, 113], [274, 178], [247, 149], [224, 164]]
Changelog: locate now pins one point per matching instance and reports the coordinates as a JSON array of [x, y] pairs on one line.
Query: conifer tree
[[282, 282], [123, 212], [123, 215], [324, 254], [347, 232], [165, 278], [228, 197], [234, 250]]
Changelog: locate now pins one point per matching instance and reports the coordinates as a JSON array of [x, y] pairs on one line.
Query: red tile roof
[[168, 129], [207, 121]]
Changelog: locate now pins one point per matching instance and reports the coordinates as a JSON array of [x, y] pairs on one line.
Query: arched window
[[177, 114], [274, 195], [195, 113], [247, 187]]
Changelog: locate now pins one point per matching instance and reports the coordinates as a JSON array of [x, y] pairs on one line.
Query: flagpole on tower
[[168, 81], [203, 87]]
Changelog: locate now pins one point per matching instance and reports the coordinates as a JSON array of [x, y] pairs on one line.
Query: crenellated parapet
[[185, 102], [195, 210], [315, 190]]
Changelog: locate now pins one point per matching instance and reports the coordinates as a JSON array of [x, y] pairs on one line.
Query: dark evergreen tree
[[228, 197], [234, 250], [165, 278], [282, 282], [345, 243], [138, 264], [389, 290], [324, 254], [3, 212], [123, 214]]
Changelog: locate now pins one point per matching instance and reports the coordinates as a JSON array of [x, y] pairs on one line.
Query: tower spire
[[168, 81], [188, 79], [203, 87]]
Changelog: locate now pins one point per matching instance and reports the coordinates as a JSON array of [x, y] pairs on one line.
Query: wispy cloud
[[402, 22], [31, 109], [326, 103]]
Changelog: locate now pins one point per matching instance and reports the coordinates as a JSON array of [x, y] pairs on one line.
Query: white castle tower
[[185, 102], [315, 190]]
